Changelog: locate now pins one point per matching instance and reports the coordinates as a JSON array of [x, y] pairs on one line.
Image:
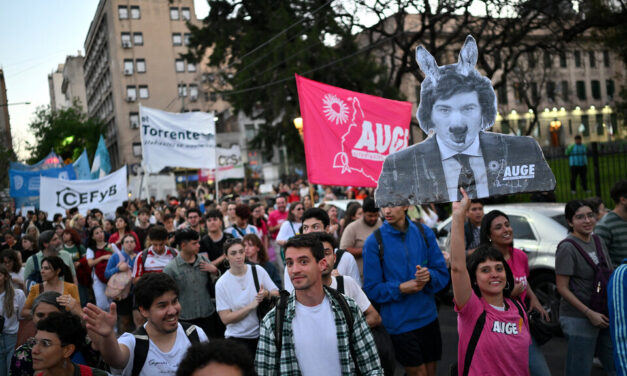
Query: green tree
[[255, 49], [66, 131]]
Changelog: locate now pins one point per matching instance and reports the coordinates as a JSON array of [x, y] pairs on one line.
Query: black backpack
[[35, 276], [140, 353], [280, 316], [377, 235]]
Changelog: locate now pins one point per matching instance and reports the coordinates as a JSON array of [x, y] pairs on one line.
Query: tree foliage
[[507, 31], [257, 47], [66, 131]]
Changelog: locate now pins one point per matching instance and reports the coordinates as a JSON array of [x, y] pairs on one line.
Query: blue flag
[[26, 183], [102, 163], [81, 167]]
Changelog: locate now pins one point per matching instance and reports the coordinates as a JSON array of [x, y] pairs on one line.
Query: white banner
[[230, 163], [106, 194], [177, 139]]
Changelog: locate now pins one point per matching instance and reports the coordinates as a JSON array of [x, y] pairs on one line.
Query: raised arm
[[462, 290], [100, 325]]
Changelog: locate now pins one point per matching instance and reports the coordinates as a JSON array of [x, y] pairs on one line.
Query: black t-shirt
[[142, 234], [214, 249]]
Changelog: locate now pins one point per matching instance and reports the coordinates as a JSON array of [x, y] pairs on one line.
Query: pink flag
[[347, 135]]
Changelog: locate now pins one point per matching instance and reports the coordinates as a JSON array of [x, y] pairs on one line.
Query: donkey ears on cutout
[[427, 63], [468, 56]]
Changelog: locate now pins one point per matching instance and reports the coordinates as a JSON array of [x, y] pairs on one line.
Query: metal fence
[[607, 164]]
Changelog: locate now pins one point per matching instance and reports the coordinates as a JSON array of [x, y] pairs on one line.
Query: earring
[[65, 363], [226, 263], [507, 286]]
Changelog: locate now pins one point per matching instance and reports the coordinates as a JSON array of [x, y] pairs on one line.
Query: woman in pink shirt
[[483, 304], [497, 232]]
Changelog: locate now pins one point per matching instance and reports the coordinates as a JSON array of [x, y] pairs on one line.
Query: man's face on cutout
[[457, 120]]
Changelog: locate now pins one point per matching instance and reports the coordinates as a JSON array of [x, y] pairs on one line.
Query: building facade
[[55, 81], [73, 84], [133, 57]]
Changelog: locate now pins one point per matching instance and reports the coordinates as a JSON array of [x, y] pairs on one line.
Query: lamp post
[[298, 124]]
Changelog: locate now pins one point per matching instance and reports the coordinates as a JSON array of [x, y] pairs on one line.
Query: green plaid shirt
[[363, 343]]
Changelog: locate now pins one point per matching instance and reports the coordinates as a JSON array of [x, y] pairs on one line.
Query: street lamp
[[12, 104], [298, 123]]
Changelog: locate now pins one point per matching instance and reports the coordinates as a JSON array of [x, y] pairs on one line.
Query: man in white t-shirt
[[156, 294], [348, 286], [317, 338], [317, 220]]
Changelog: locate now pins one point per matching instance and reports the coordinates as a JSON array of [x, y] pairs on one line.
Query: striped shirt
[[613, 230], [577, 155], [617, 300], [155, 263], [363, 343]]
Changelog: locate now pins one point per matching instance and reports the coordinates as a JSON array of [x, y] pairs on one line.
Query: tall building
[[133, 56], [5, 125], [73, 84], [55, 80]]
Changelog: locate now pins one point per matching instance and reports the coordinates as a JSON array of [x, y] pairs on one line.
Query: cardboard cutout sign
[[457, 105]]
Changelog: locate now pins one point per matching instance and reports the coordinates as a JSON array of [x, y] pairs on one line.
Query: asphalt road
[[554, 350]]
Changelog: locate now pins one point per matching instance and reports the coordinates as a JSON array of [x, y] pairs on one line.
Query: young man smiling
[[316, 338], [156, 294]]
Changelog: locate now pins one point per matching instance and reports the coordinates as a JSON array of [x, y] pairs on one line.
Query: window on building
[[505, 126], [563, 62], [191, 67], [599, 120], [522, 126], [179, 65], [595, 86], [122, 12], [174, 13], [133, 118], [535, 96], [609, 87], [581, 90], [193, 92], [128, 67], [551, 91], [131, 93], [126, 40], [531, 59], [585, 126], [135, 12], [141, 65], [613, 123], [606, 58], [502, 92], [518, 94], [577, 58], [143, 91], [593, 61], [186, 14], [137, 149], [547, 59], [182, 88], [187, 36], [565, 91], [176, 39], [138, 39]]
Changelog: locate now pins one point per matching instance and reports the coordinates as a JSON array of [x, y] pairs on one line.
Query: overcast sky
[[35, 37]]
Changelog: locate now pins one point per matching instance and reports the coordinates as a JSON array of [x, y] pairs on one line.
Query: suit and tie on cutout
[[457, 106]]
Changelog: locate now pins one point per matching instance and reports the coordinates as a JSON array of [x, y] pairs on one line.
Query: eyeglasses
[[581, 217], [45, 343]]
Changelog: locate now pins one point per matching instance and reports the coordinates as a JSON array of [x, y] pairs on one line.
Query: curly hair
[[74, 236], [223, 351], [67, 326]]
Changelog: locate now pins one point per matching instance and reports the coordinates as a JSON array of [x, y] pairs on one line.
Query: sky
[[35, 37]]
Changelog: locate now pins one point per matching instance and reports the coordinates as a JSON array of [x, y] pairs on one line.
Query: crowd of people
[[288, 285]]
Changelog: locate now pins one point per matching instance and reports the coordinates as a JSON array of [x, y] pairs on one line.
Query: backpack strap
[[238, 230], [340, 284], [422, 232], [377, 235], [255, 278], [597, 243], [35, 263], [474, 339], [41, 288], [144, 255], [583, 253], [518, 305], [279, 316], [338, 256], [348, 316], [140, 353]]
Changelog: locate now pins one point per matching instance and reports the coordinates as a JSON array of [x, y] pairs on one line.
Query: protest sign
[[229, 163], [457, 105], [26, 183], [347, 135], [177, 140], [106, 194]]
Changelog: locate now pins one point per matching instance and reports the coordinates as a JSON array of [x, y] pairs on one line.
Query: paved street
[[554, 350]]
